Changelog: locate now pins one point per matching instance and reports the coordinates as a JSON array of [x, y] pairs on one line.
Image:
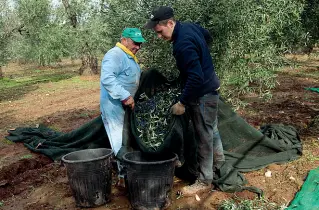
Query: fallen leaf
[[197, 197], [268, 174]]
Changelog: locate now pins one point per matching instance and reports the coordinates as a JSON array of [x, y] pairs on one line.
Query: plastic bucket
[[149, 179], [90, 176]]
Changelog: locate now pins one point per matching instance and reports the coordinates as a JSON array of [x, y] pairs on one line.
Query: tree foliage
[[5, 31], [3, 45], [248, 36], [89, 32], [7, 28], [41, 39], [48, 34], [310, 20]]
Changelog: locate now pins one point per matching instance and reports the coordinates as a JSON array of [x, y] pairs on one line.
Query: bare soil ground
[[33, 181]]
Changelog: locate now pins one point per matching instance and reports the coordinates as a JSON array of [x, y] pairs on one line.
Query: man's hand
[[129, 102], [178, 109]]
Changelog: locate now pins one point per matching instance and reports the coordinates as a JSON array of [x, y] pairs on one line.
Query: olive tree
[[248, 36], [8, 26], [310, 20], [73, 28], [88, 30], [120, 14], [34, 16], [3, 53], [40, 38]]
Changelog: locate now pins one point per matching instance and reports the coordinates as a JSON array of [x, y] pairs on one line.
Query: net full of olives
[[153, 116]]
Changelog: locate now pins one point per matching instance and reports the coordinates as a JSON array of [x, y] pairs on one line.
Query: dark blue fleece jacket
[[193, 59]]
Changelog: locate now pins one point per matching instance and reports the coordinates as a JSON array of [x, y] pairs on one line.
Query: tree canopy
[[249, 36]]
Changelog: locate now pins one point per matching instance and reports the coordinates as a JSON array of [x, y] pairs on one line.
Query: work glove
[[129, 102], [178, 109]]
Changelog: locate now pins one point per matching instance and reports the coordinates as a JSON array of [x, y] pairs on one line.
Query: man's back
[[193, 59], [120, 67]]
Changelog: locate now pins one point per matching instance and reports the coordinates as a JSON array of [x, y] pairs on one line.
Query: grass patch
[[6, 141], [311, 158], [12, 89], [309, 146], [303, 67], [75, 83], [242, 204], [55, 128], [7, 83], [85, 83], [310, 74], [26, 157]]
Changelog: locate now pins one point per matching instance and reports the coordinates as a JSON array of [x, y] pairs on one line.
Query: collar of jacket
[[127, 51], [176, 30]]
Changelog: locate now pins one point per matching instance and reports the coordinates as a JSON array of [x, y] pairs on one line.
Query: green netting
[[308, 197], [246, 148], [56, 144], [313, 89]]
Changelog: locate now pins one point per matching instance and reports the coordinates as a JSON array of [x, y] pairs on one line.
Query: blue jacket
[[120, 76], [193, 59]]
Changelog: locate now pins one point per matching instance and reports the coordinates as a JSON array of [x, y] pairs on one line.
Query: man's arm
[[111, 68]]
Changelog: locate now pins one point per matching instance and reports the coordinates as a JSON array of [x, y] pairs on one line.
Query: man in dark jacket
[[200, 89]]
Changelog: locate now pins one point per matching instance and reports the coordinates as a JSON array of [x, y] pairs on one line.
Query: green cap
[[134, 33]]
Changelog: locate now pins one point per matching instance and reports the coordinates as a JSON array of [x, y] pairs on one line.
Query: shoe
[[198, 187], [178, 164], [167, 203], [120, 183]]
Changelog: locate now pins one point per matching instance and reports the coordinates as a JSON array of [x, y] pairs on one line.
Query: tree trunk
[[93, 64], [71, 14], [1, 73], [89, 61], [84, 65]]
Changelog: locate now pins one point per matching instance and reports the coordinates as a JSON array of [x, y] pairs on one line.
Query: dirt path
[[32, 181]]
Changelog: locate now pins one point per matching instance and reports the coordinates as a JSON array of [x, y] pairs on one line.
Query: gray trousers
[[203, 114]]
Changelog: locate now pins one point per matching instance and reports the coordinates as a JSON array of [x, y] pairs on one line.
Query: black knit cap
[[158, 14]]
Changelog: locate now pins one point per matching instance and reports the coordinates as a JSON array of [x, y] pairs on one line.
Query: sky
[[55, 3]]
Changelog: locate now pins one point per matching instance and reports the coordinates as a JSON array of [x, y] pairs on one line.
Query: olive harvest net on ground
[[157, 131], [152, 129]]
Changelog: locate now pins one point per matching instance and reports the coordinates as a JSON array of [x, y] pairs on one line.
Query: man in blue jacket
[[200, 89], [120, 75]]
